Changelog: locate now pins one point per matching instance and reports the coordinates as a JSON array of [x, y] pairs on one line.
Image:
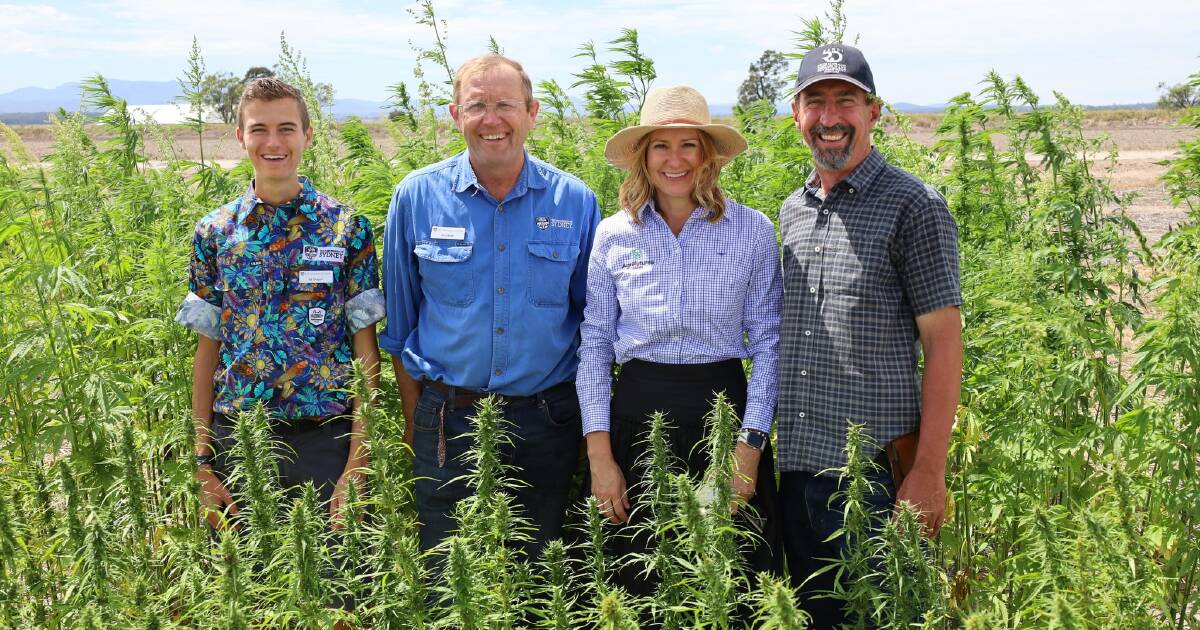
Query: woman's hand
[[608, 483], [745, 474]]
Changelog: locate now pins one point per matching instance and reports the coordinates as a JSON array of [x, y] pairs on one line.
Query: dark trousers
[[308, 451], [544, 452], [685, 393], [809, 521]]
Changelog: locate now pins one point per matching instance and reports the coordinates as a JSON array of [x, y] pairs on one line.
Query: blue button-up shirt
[[487, 294], [709, 295]]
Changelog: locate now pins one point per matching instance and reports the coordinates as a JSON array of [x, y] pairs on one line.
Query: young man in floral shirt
[[284, 294]]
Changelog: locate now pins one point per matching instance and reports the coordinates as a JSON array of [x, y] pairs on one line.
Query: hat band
[[676, 121]]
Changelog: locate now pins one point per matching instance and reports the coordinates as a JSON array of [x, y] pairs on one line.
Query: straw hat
[[670, 108]]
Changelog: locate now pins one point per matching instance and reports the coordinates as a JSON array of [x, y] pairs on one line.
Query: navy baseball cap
[[835, 61]]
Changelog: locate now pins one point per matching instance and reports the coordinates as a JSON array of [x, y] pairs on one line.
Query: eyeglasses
[[502, 107]]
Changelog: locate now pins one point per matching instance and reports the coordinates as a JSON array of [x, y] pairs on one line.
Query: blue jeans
[[809, 519], [546, 435]]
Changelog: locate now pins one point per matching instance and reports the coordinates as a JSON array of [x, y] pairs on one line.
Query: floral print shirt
[[283, 289]]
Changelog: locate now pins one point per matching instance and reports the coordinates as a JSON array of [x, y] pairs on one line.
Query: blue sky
[[922, 51]]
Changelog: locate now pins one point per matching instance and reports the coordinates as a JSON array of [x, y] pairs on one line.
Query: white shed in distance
[[168, 114]]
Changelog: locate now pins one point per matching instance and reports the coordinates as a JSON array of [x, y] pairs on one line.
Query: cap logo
[[832, 55]]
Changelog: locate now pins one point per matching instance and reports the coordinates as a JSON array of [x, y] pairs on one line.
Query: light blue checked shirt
[[709, 295]]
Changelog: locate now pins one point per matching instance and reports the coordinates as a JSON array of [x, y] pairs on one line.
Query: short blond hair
[[637, 189], [483, 63]]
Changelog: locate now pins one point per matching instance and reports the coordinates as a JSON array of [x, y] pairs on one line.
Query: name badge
[[448, 233], [316, 276], [324, 254], [316, 316]]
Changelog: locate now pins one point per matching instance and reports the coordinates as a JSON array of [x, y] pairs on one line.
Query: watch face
[[754, 439]]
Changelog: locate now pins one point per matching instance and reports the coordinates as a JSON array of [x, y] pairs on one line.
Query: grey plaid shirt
[[858, 266]]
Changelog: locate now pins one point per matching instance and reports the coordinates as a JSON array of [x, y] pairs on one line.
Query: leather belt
[[460, 398]]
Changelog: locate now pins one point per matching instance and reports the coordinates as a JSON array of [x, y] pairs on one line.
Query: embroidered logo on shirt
[[637, 260], [546, 222], [324, 254], [316, 316]]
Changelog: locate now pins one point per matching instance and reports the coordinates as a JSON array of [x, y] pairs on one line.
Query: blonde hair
[[483, 63], [636, 190]]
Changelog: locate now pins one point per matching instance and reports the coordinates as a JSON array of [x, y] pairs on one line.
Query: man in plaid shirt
[[870, 267]]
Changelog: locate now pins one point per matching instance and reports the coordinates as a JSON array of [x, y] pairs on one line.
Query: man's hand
[[608, 486], [925, 491], [214, 497], [338, 501], [745, 474]]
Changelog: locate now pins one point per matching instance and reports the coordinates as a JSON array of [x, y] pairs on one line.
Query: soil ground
[[1144, 139]]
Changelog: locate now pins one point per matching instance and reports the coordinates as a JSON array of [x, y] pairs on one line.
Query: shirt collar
[[698, 213], [533, 175], [858, 179], [250, 200]]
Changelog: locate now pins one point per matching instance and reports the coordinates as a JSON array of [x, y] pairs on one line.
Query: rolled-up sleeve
[[400, 275], [760, 317], [365, 303], [598, 333], [201, 309]]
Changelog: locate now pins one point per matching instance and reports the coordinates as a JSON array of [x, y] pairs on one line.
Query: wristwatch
[[756, 439]]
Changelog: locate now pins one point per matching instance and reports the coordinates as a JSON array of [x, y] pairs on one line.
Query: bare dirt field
[[1144, 139]]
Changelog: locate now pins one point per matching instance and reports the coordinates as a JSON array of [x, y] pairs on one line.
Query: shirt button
[[850, 190], [803, 372], [812, 289], [500, 330], [554, 255], [500, 290], [825, 211], [500, 208], [499, 371], [817, 249], [801, 413], [501, 248], [807, 333]]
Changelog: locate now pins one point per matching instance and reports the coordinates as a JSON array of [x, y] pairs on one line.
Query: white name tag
[[316, 276], [449, 233], [316, 316], [324, 254]]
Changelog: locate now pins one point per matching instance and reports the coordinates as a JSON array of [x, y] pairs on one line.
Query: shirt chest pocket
[[313, 288], [446, 275], [550, 269]]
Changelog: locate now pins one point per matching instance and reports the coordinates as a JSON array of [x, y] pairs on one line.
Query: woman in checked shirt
[[683, 285]]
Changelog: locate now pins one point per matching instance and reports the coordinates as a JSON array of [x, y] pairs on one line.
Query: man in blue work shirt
[[485, 271]]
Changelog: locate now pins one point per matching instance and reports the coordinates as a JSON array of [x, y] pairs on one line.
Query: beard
[[831, 159]]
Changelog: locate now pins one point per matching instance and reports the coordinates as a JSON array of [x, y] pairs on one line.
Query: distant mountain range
[[31, 104]]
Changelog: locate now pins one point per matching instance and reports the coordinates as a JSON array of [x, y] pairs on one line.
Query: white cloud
[[923, 51]]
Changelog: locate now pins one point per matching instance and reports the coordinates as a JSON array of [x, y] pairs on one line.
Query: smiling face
[[673, 157], [496, 134], [274, 139], [835, 118]]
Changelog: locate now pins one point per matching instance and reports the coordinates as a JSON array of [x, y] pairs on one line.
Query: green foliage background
[[1074, 464]]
